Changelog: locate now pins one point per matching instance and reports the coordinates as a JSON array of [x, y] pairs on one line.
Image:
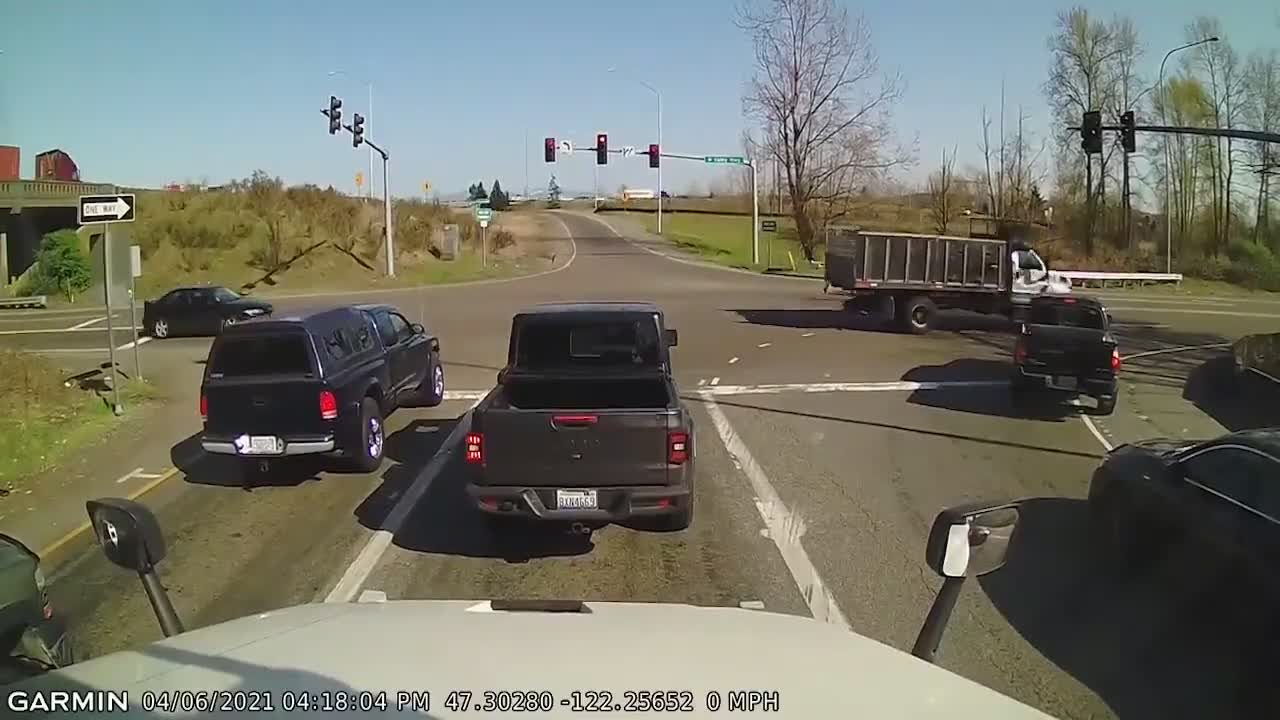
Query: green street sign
[[485, 214], [724, 159]]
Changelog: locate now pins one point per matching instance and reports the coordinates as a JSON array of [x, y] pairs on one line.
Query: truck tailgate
[[1068, 350], [579, 433], [268, 406]]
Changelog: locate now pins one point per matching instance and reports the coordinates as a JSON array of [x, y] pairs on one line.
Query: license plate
[[259, 445], [1063, 383], [576, 500]]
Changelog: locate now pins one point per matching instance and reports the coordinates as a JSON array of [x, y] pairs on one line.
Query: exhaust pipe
[[579, 529]]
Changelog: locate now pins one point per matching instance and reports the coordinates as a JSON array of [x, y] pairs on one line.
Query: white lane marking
[[129, 345], [1183, 348], [53, 331], [715, 380], [808, 334], [137, 474], [1189, 311], [573, 255], [764, 345], [785, 529], [87, 323], [464, 394], [702, 381], [360, 569], [1088, 422], [733, 360], [896, 386]]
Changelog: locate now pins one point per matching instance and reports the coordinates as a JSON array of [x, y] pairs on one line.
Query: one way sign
[[107, 208]]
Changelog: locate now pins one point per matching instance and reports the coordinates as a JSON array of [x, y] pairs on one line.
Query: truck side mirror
[[502, 376], [130, 537], [965, 541], [673, 338]]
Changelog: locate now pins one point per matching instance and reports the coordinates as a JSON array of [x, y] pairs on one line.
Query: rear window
[[1068, 315], [551, 344], [283, 354]]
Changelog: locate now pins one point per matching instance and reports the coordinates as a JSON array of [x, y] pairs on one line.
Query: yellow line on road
[[80, 529]]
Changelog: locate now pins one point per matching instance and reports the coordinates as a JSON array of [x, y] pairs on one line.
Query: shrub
[[62, 266]]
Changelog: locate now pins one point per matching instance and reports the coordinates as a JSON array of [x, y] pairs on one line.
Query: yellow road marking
[[80, 529]]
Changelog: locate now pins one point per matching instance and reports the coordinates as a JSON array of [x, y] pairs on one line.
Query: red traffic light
[[654, 155], [602, 148], [549, 152]]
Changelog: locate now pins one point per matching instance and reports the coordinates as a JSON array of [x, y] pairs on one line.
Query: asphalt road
[[855, 474]]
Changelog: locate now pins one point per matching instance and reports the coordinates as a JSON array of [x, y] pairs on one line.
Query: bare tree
[[1012, 172], [822, 104], [1262, 79], [942, 192], [1224, 79]]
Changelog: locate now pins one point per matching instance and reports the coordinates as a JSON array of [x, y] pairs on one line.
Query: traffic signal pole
[[389, 232]]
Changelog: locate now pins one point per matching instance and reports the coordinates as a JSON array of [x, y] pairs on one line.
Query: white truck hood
[[436, 646]]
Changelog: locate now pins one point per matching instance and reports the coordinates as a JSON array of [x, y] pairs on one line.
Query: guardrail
[[34, 301], [1102, 278]]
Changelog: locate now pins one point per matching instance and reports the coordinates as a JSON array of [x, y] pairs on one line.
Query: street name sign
[[724, 159], [769, 225], [107, 208]]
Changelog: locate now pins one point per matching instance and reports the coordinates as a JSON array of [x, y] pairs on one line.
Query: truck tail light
[[1115, 359], [328, 405], [1020, 351], [677, 447], [474, 451], [204, 407]]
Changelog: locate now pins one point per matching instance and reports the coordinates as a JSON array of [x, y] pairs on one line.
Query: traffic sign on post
[[724, 159], [107, 208], [769, 225], [484, 214]]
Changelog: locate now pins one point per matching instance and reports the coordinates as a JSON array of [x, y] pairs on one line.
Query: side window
[[337, 343], [177, 298], [1234, 472], [363, 336], [401, 326], [386, 329]]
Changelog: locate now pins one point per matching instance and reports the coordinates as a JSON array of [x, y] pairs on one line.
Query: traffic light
[[1091, 132], [335, 115], [549, 150], [1128, 138], [602, 149], [654, 156], [357, 130]]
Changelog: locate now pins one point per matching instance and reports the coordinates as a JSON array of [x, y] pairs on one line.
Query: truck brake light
[[1115, 359], [474, 453], [677, 447], [328, 405], [204, 407]]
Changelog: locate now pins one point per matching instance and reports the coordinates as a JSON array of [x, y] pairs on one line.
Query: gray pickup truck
[[586, 424]]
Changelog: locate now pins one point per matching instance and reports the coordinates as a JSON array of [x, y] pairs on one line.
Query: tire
[[371, 440], [1106, 405], [433, 394], [918, 315], [159, 328], [229, 321]]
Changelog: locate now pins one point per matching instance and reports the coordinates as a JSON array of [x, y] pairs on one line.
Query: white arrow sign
[[117, 208], [628, 150], [566, 146]]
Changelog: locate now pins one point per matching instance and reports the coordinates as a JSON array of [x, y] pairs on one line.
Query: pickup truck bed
[[596, 444]]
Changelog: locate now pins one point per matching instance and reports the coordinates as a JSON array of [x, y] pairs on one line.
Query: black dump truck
[[1065, 349], [912, 277], [585, 424]]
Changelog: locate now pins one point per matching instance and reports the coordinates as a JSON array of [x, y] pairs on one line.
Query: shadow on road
[[841, 319], [1152, 647], [901, 428], [996, 401], [443, 520]]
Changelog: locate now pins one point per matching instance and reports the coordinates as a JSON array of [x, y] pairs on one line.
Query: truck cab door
[[1030, 276]]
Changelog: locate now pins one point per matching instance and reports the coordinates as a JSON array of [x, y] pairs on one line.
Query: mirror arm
[[170, 624], [926, 647]]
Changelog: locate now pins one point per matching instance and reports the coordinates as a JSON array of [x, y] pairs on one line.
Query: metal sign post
[[111, 336], [484, 242], [135, 272]]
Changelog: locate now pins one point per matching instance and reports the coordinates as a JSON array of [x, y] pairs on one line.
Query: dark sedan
[[1195, 506], [198, 311], [1257, 361]]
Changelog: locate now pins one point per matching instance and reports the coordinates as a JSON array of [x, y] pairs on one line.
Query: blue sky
[[152, 92]]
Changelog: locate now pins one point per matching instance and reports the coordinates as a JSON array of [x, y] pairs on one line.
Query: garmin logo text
[[65, 701]]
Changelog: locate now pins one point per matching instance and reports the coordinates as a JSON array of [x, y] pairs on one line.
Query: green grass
[[726, 239], [41, 420]]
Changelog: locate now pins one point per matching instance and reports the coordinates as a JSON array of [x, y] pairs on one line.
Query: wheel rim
[[160, 329], [375, 438], [229, 321], [919, 315], [438, 382]]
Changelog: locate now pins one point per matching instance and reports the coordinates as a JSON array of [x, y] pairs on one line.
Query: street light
[[655, 91], [368, 121], [1168, 160]]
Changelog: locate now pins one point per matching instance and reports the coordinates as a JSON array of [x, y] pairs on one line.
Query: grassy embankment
[[720, 231], [262, 237], [41, 420]]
